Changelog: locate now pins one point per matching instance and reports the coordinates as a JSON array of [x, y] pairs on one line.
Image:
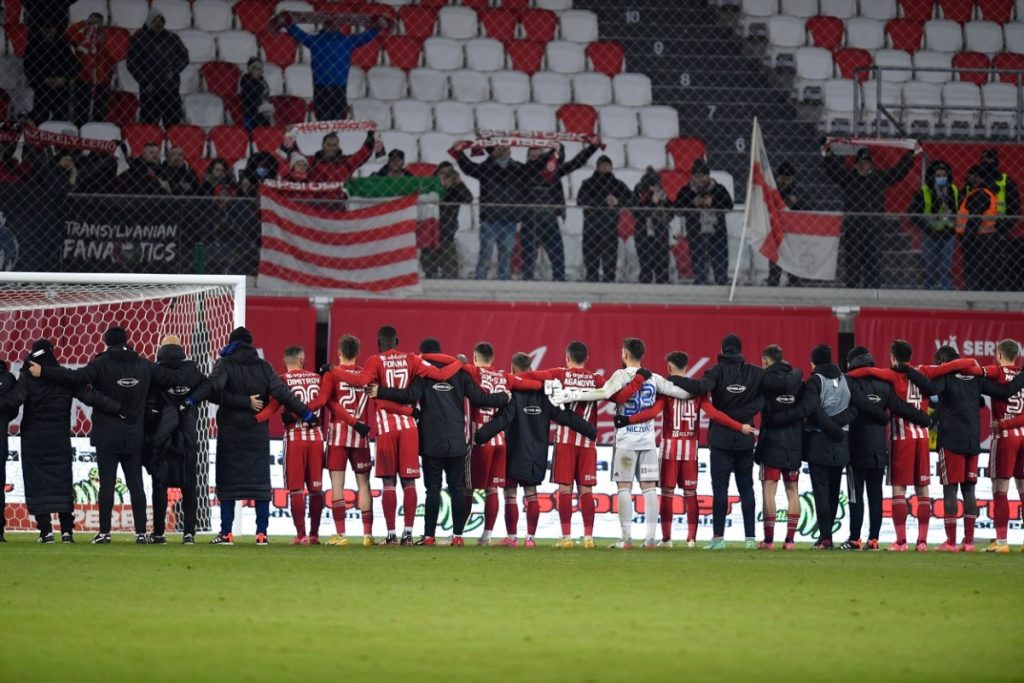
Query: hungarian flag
[[304, 247], [802, 243]]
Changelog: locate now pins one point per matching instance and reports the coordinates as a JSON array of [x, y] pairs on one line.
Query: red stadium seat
[[607, 57], [918, 10], [221, 78], [199, 166], [233, 107], [1010, 61], [375, 8], [278, 48], [267, 139], [514, 5], [539, 24], [17, 36], [12, 14], [418, 21], [254, 15], [578, 118], [683, 152], [499, 24], [138, 135], [421, 169], [122, 108], [999, 11], [476, 4], [850, 58], [957, 10], [229, 142], [434, 3], [526, 55], [120, 40], [367, 56], [674, 181], [191, 139], [289, 109], [403, 52], [826, 32], [905, 34], [972, 60]]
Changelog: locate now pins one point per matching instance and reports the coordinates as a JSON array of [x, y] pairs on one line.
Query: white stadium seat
[[366, 109], [1013, 36], [469, 86], [459, 23], [891, 99], [386, 83], [644, 152], [453, 117], [837, 96], [883, 10], [659, 122], [899, 64], [531, 117], [356, 83], [550, 88], [177, 13], [413, 116], [564, 57], [578, 25], [81, 10], [957, 94], [930, 59], [125, 80], [943, 35], [97, 130], [428, 85], [189, 79], [494, 116], [553, 5], [617, 121], [129, 14], [59, 127], [632, 90], [983, 36], [237, 47], [924, 106], [813, 68], [298, 80], [798, 8], [785, 34], [755, 14], [200, 45], [592, 88], [204, 109], [485, 54], [865, 34], [844, 9], [212, 15], [434, 147], [1000, 115], [444, 54], [510, 87], [274, 76], [404, 141]]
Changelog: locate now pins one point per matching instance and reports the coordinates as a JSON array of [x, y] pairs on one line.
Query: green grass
[[169, 613]]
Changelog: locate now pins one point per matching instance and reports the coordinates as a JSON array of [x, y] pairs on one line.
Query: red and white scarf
[[41, 138]]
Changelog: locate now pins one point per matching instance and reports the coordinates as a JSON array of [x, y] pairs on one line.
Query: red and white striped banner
[[366, 250]]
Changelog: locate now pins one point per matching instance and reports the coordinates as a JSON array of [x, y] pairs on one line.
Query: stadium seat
[[267, 138], [120, 41], [943, 35], [905, 34], [499, 24], [17, 39], [298, 81], [564, 57], [960, 11], [253, 15], [191, 139], [200, 45], [221, 78], [413, 116], [59, 127], [428, 85], [418, 21], [122, 108], [659, 122], [212, 15], [890, 98], [177, 13], [553, 5], [577, 118], [632, 90], [434, 147], [189, 79], [125, 80], [929, 59], [539, 25], [536, 117], [458, 23], [883, 10], [403, 141], [421, 169], [510, 87], [924, 106], [918, 10], [203, 109], [955, 95], [616, 121], [129, 14], [277, 48], [1010, 62], [494, 116], [230, 143], [983, 36], [100, 130], [1013, 37], [138, 135], [813, 67], [289, 109], [999, 11], [365, 56], [525, 55], [578, 25], [644, 152], [592, 88], [826, 32], [607, 57], [1000, 115], [894, 65], [865, 34], [386, 83], [485, 54], [785, 35], [356, 83], [469, 86], [365, 109], [80, 11], [274, 75], [684, 151], [455, 118], [443, 53], [755, 14], [848, 60], [966, 62], [237, 47], [800, 9], [842, 9], [403, 51], [550, 88]]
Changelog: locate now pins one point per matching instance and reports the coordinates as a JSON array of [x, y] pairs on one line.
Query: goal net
[[73, 310]]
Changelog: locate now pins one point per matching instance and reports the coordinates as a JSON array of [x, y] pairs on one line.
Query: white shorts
[[642, 465]]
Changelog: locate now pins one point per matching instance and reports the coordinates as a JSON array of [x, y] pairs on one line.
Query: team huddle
[[474, 426]]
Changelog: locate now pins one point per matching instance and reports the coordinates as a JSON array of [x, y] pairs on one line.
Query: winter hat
[[296, 158], [785, 169], [822, 354], [396, 153], [153, 15], [240, 334], [863, 154], [700, 167], [604, 159], [430, 345], [42, 345], [42, 353], [115, 336], [990, 156], [855, 352], [731, 343]]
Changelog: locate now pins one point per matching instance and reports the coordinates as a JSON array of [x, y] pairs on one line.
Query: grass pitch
[[169, 613]]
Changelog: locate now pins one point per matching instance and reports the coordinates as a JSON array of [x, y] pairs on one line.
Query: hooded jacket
[[152, 55], [824, 439], [7, 382], [545, 188], [172, 438], [933, 209], [691, 215], [593, 194], [780, 445]]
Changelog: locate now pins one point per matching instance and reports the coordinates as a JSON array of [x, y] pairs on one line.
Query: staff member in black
[[7, 381], [443, 443]]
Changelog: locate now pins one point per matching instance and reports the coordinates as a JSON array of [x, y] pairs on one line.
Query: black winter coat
[[825, 440], [499, 185], [154, 54], [243, 444], [546, 190], [49, 59], [720, 202], [7, 381], [443, 424], [593, 194], [172, 436], [781, 444], [453, 196], [865, 193], [526, 421], [252, 92]]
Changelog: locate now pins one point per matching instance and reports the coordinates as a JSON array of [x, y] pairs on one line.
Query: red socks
[[564, 512], [666, 517], [924, 515], [769, 527], [899, 519], [587, 511], [297, 503], [793, 519], [1001, 514], [511, 516], [490, 510], [367, 516], [969, 529], [409, 505], [532, 514], [316, 512], [389, 501], [338, 515], [692, 511]]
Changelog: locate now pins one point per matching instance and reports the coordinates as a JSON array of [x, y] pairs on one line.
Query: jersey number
[[641, 400], [397, 378]]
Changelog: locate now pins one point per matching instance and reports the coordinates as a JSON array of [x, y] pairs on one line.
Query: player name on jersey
[[306, 387]]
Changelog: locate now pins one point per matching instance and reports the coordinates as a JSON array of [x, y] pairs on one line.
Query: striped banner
[[306, 247]]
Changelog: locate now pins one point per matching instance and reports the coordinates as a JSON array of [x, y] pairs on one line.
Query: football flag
[[372, 249], [802, 243]]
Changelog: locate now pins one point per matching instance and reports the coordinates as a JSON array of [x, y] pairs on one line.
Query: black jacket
[[546, 189], [49, 59], [499, 185], [824, 440], [156, 59], [945, 203], [780, 444], [875, 400], [178, 175], [443, 405], [7, 381], [172, 437], [720, 201], [865, 194], [957, 415], [593, 194], [735, 387], [142, 178], [252, 92], [243, 444], [46, 453], [125, 376], [453, 196], [526, 421]]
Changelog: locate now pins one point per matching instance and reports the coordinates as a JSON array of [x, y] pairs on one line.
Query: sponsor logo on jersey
[[178, 391], [735, 388], [443, 386], [786, 399], [874, 398], [128, 382], [964, 378], [532, 410]]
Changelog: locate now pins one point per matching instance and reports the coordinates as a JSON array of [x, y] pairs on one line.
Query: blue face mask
[[941, 181], [503, 162], [262, 172]]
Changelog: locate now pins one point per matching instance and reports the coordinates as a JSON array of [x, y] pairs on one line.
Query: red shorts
[[679, 473], [398, 453], [910, 463], [769, 473], [955, 468], [1008, 455], [574, 463], [303, 465], [338, 458], [487, 466]]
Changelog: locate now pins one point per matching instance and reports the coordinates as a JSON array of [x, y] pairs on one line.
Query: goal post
[[73, 310]]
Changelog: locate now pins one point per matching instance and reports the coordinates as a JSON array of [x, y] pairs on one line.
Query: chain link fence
[[581, 140]]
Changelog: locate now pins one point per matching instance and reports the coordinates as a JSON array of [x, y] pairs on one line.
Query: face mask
[[503, 162], [262, 172], [941, 181]]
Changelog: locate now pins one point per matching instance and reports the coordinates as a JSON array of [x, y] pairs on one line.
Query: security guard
[[932, 211], [976, 228]]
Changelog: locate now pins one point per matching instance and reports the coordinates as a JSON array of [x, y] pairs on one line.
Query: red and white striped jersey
[[679, 449], [492, 382], [393, 369], [1010, 408], [903, 430], [681, 418], [306, 387], [574, 378], [354, 401]]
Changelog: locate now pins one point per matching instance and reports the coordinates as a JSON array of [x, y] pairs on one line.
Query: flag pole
[[746, 212]]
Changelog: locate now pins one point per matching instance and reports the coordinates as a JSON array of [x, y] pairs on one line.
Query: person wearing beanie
[[45, 438], [652, 218], [603, 197], [703, 203], [395, 167], [7, 381], [156, 58], [736, 389]]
